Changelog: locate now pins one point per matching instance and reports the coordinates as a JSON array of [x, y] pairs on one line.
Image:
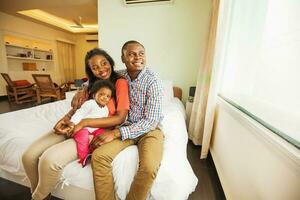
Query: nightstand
[[188, 111]]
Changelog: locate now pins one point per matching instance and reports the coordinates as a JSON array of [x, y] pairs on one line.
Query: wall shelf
[[29, 48], [17, 46], [26, 58], [36, 49], [25, 49]]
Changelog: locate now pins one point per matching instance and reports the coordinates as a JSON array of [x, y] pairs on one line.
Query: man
[[145, 91]]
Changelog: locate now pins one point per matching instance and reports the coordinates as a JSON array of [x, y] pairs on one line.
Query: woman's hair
[[92, 78], [102, 84]]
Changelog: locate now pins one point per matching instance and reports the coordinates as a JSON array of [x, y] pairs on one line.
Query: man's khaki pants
[[150, 147], [44, 161]]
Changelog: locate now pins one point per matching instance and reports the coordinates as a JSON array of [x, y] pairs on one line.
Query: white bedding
[[175, 179]]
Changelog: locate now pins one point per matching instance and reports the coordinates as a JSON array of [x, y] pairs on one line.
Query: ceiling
[[56, 13]]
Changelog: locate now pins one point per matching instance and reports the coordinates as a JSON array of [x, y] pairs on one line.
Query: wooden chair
[[19, 94], [47, 88]]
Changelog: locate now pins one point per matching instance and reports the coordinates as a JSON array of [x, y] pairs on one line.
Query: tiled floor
[[208, 188]]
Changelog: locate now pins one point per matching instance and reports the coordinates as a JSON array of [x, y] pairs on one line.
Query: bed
[[175, 178]]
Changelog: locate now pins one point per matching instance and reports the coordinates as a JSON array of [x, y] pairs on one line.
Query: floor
[[208, 188]]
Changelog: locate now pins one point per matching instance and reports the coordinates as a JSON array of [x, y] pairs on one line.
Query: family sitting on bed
[[138, 86]]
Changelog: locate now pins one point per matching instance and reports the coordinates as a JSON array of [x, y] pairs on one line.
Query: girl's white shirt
[[90, 109]]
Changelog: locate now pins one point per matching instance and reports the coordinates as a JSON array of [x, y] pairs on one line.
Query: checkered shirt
[[145, 112]]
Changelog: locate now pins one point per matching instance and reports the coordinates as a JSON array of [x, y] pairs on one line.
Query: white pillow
[[168, 90]]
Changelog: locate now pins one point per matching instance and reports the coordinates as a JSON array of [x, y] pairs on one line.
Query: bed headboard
[[177, 92]]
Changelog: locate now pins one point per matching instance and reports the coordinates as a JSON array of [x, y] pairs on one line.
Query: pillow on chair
[[21, 83], [84, 79]]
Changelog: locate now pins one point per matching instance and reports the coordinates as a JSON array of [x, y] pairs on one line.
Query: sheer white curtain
[[201, 120], [66, 61], [255, 64]]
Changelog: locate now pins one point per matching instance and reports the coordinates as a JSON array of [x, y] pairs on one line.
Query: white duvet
[[175, 178]]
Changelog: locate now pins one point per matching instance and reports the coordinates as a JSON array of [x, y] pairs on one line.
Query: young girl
[[102, 91]]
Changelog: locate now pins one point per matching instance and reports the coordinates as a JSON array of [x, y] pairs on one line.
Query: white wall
[[12, 25], [252, 162], [174, 35]]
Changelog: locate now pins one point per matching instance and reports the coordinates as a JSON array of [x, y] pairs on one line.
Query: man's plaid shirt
[[145, 112]]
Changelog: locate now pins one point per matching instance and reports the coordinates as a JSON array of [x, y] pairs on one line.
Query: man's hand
[[79, 98], [104, 138]]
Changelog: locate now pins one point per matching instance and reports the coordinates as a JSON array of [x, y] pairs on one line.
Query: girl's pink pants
[[82, 142]]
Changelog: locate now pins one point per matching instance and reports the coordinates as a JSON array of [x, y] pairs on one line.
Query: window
[[262, 63]]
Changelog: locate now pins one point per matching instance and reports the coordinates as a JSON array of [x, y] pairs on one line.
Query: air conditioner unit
[[141, 2], [91, 38]]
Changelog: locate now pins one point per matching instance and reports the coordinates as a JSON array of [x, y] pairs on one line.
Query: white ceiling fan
[[78, 23]]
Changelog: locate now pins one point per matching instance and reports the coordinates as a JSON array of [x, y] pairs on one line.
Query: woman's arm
[[79, 98], [64, 126], [106, 122]]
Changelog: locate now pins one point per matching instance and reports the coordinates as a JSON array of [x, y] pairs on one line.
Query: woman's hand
[[70, 129], [73, 129], [104, 138], [63, 127], [60, 127], [79, 98]]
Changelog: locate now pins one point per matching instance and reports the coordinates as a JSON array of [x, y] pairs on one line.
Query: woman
[[41, 162]]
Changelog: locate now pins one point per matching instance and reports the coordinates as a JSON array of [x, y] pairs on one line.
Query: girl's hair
[[92, 78], [102, 84]]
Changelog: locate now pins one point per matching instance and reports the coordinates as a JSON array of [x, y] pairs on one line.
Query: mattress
[[175, 178]]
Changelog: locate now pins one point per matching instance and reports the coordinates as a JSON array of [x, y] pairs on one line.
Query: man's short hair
[[130, 42]]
